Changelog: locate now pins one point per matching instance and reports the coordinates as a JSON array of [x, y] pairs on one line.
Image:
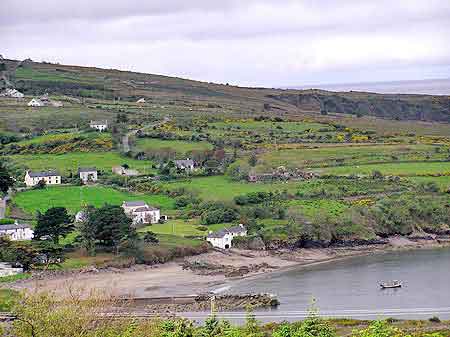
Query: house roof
[[104, 122], [137, 203], [14, 226], [219, 234], [237, 229], [184, 162], [36, 174], [223, 232], [87, 169], [145, 209]]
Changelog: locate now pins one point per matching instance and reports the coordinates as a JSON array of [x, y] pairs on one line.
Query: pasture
[[69, 162], [184, 228], [398, 169], [75, 197], [181, 147], [224, 189], [351, 154]]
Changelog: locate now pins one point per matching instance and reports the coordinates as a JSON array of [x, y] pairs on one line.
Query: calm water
[[351, 287]]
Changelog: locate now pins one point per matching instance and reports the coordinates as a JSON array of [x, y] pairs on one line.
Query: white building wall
[[84, 176], [33, 181], [18, 234]]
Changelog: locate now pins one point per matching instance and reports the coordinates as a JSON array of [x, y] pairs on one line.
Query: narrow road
[[126, 138]]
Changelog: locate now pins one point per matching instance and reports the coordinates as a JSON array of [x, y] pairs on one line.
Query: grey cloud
[[264, 42]]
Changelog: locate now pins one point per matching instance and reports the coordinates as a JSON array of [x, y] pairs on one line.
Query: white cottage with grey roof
[[17, 232], [223, 238], [99, 125], [141, 213], [87, 174], [185, 164], [51, 177]]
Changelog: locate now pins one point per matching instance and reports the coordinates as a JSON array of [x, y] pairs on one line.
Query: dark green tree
[[112, 226], [6, 181], [54, 223], [87, 231], [151, 238]]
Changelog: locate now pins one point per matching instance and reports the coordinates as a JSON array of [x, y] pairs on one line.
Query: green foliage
[[18, 253], [151, 238], [54, 223], [112, 227], [6, 181], [379, 329]]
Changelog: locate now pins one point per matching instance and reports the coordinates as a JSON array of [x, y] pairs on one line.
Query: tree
[[6, 181], [87, 232], [253, 160], [54, 223], [17, 253], [151, 238], [112, 226]]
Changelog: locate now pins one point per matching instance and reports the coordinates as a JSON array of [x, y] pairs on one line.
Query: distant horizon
[[385, 87]]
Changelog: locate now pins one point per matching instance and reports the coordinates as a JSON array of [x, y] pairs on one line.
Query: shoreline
[[387, 249], [172, 279]]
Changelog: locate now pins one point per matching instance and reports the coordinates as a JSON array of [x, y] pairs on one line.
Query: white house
[[35, 103], [12, 93], [87, 174], [49, 177], [17, 232], [141, 213], [141, 101], [224, 237], [7, 270], [99, 125], [81, 216], [186, 164]]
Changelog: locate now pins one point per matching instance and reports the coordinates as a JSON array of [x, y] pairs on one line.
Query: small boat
[[393, 284]]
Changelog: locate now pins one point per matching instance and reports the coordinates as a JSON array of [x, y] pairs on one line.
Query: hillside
[[34, 78]]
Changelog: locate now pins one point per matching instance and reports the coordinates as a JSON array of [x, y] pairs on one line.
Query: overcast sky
[[246, 42]]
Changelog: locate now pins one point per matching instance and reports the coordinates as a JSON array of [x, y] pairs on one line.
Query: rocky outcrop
[[205, 268], [402, 107], [202, 303]]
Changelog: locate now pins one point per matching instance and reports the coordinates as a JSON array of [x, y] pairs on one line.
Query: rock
[[256, 244]]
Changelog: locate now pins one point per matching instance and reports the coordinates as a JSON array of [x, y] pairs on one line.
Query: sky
[[270, 43]]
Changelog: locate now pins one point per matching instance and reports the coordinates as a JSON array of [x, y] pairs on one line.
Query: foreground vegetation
[[42, 315]]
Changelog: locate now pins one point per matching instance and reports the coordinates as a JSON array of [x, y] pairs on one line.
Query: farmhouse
[[12, 93], [35, 103], [141, 213], [99, 125], [224, 237], [186, 164], [17, 232], [7, 270], [87, 174], [49, 177]]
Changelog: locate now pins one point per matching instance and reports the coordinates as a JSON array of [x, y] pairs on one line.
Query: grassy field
[[442, 182], [222, 188], [310, 208], [400, 169], [74, 197], [299, 127], [53, 137], [67, 162], [182, 228], [324, 156], [179, 146]]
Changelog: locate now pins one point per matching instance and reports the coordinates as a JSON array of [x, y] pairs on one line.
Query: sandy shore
[[172, 280]]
